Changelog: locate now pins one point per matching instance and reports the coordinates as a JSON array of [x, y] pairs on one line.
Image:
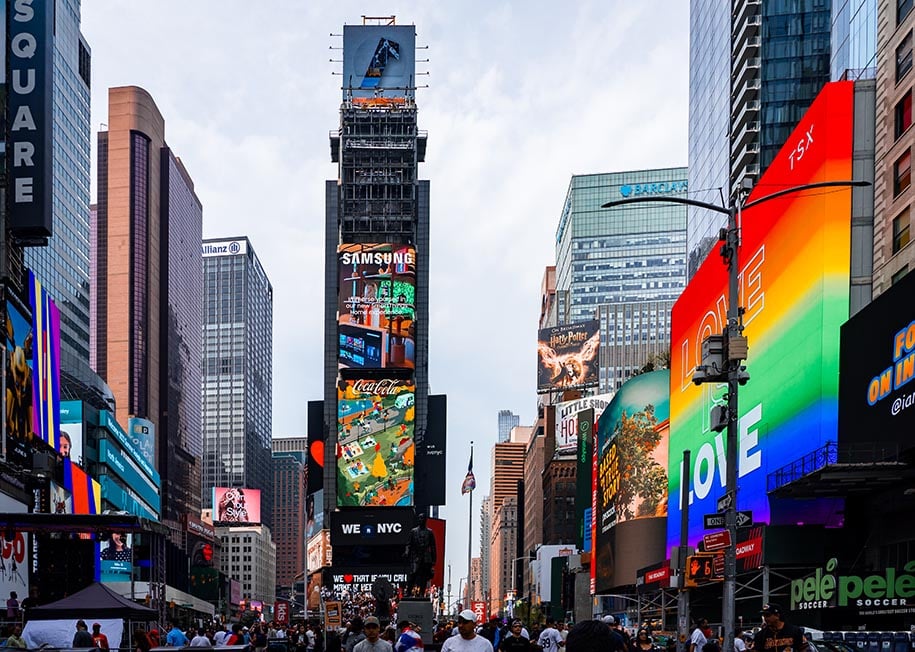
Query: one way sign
[[716, 521]]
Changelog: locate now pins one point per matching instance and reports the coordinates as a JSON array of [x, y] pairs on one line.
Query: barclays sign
[[658, 188]]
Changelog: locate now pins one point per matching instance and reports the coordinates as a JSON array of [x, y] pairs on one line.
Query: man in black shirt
[[514, 642], [777, 635]]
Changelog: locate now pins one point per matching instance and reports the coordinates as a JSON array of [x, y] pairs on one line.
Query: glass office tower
[[237, 373], [778, 55], [620, 255], [63, 265], [854, 39]]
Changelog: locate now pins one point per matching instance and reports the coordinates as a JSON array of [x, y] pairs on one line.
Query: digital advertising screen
[[19, 396], [376, 307], [379, 61], [567, 356], [85, 491], [375, 448], [876, 370], [567, 419], [236, 505], [794, 290], [71, 431], [115, 557], [61, 499], [142, 433], [631, 449], [45, 365]]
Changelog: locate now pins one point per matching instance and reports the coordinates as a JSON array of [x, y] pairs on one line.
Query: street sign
[[716, 521], [717, 541], [725, 501], [718, 567]]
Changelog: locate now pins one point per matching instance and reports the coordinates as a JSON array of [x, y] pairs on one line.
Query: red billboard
[[236, 505]]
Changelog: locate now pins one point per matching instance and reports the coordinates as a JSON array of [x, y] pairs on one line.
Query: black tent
[[93, 601]]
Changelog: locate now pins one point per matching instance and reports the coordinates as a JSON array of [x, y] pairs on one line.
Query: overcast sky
[[521, 95]]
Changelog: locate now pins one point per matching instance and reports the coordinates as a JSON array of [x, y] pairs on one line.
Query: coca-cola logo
[[382, 387]]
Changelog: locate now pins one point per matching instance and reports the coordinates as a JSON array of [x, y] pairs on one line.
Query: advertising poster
[[14, 553], [567, 414], [567, 356], [314, 513], [71, 431], [20, 342], [585, 424], [379, 61], [142, 433], [376, 310], [236, 505], [876, 370], [316, 449], [115, 557], [794, 289], [632, 452], [45, 365], [61, 499], [375, 448]]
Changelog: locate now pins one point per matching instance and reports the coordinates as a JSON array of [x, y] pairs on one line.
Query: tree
[[642, 482]]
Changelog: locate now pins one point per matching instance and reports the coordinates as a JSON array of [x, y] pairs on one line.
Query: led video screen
[[375, 447]]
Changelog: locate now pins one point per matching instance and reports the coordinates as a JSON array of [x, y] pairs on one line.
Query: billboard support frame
[[733, 371]]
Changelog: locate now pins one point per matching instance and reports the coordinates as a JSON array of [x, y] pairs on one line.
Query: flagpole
[[469, 535]]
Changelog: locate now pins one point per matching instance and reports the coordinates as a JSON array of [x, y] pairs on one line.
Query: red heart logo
[[317, 452], [348, 579]]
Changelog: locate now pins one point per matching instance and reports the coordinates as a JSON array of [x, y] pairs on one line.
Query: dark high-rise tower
[[147, 321], [377, 278], [755, 67]]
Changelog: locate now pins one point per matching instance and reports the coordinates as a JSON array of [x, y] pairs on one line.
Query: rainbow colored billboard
[[794, 287]]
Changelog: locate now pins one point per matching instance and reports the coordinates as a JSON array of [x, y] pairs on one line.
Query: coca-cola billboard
[[375, 447]]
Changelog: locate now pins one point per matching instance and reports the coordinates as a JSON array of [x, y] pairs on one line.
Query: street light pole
[[730, 369]]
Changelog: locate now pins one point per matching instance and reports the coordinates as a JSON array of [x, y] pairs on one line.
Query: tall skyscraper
[[624, 266], [237, 371], [147, 327], [755, 67], [377, 262], [507, 421], [289, 515], [894, 255], [63, 265], [854, 39]]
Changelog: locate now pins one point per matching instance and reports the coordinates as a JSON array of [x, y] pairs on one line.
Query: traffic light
[[701, 568]]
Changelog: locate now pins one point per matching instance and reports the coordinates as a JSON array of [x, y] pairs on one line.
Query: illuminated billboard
[[876, 370], [142, 434], [794, 288], [71, 431], [375, 448], [45, 366], [236, 505], [18, 363], [567, 419], [379, 61], [376, 308], [84, 490], [567, 356], [631, 453], [115, 557]]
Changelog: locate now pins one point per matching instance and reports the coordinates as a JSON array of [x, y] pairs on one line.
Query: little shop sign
[[825, 588]]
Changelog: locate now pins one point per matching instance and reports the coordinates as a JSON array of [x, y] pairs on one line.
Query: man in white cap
[[468, 640]]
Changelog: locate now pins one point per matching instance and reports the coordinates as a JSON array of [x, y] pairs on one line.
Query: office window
[[903, 114], [898, 275], [904, 57], [903, 7], [901, 231], [902, 173]]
